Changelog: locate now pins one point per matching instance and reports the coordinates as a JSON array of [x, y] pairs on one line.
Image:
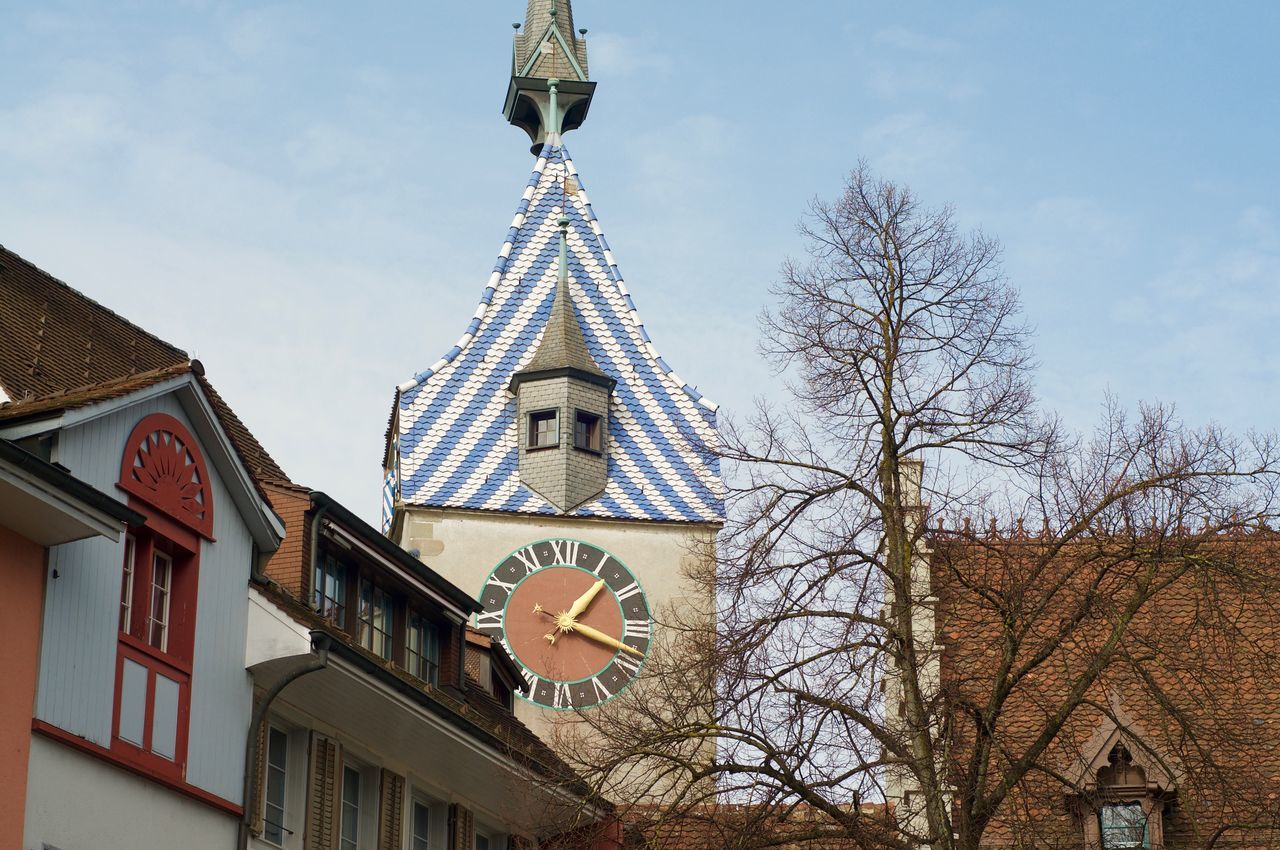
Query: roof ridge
[[6, 252], [15, 405]]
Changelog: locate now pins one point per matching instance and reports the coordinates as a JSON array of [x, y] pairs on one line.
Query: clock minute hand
[[580, 604], [608, 640]]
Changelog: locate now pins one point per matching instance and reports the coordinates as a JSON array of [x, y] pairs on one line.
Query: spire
[[563, 349], [548, 54]]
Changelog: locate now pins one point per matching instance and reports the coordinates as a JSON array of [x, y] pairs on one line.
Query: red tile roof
[[60, 349], [54, 339]]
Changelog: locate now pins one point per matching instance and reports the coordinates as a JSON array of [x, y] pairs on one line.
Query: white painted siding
[[77, 664], [76, 801]]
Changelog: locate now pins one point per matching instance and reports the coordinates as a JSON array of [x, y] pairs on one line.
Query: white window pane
[[277, 779], [421, 826], [133, 702], [164, 723], [350, 837]]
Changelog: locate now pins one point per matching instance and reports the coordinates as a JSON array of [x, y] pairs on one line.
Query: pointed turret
[[549, 93], [562, 405], [563, 348]]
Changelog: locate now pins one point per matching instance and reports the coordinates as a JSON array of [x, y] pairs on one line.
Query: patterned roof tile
[[457, 429]]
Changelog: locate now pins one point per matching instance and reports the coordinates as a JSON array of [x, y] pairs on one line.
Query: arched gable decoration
[[163, 466]]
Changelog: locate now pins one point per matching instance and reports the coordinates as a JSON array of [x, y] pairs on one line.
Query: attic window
[[1123, 826], [544, 429], [587, 434]]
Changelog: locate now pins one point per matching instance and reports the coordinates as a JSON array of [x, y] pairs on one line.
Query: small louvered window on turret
[[544, 429]]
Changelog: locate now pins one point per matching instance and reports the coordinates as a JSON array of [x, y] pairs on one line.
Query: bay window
[[166, 480]]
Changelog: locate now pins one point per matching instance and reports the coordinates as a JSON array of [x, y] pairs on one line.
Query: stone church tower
[[552, 463]]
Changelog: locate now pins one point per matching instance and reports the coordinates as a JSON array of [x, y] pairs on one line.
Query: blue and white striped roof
[[456, 421]]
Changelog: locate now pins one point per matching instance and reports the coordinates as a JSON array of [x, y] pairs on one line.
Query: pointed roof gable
[[562, 347], [455, 424]]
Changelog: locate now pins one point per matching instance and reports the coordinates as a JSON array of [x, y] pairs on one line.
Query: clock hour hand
[[580, 604], [600, 637]]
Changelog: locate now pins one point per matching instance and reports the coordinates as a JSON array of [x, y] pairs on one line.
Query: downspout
[[311, 664]]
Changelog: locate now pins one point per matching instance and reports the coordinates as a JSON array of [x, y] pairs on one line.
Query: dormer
[[1123, 786], [562, 408], [489, 666]]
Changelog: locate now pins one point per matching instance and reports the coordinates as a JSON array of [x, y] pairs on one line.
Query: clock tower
[[551, 462]]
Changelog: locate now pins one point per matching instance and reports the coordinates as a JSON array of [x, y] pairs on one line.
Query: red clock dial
[[572, 656], [572, 616]]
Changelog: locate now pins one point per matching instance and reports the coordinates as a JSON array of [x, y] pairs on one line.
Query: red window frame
[[165, 476]]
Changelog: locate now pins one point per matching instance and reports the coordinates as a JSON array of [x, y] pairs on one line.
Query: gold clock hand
[[580, 604], [600, 637]]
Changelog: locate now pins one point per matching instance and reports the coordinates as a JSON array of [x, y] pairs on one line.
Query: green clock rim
[[507, 648]]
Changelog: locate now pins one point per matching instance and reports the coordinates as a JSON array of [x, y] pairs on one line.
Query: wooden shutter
[[462, 828], [259, 766], [390, 811], [322, 794]]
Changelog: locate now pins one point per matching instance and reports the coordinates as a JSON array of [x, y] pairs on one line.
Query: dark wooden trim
[[92, 749]]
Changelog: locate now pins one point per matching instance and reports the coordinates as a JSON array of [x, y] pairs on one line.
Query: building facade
[[552, 460], [206, 654]]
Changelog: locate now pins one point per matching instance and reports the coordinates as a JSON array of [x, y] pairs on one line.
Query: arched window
[[164, 473]]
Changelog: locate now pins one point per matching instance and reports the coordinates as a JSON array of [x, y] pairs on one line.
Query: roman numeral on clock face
[[489, 620], [627, 592], [600, 692], [628, 663], [635, 629], [528, 557], [564, 551], [562, 699], [508, 586]]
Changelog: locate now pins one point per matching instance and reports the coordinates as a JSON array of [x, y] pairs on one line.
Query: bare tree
[[863, 655]]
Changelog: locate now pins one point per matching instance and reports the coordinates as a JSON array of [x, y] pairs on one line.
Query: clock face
[[572, 616]]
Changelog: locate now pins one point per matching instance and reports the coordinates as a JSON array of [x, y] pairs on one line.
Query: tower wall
[[469, 544]]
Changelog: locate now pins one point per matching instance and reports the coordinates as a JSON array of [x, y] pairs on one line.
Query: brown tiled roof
[[60, 350], [753, 827], [1203, 652], [54, 339], [80, 396]]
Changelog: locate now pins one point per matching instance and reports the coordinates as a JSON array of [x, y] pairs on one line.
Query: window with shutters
[[164, 475], [275, 786], [349, 835], [420, 826]]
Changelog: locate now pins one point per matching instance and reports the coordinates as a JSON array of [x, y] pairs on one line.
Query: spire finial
[[548, 52]]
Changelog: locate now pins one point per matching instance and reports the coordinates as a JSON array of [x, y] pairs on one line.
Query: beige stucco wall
[[75, 800], [464, 546]]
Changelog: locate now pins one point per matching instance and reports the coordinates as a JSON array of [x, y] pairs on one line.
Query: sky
[[309, 197]]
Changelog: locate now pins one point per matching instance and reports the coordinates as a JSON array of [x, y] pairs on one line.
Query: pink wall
[[22, 589]]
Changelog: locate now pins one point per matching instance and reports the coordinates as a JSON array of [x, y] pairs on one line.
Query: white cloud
[[614, 55]]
